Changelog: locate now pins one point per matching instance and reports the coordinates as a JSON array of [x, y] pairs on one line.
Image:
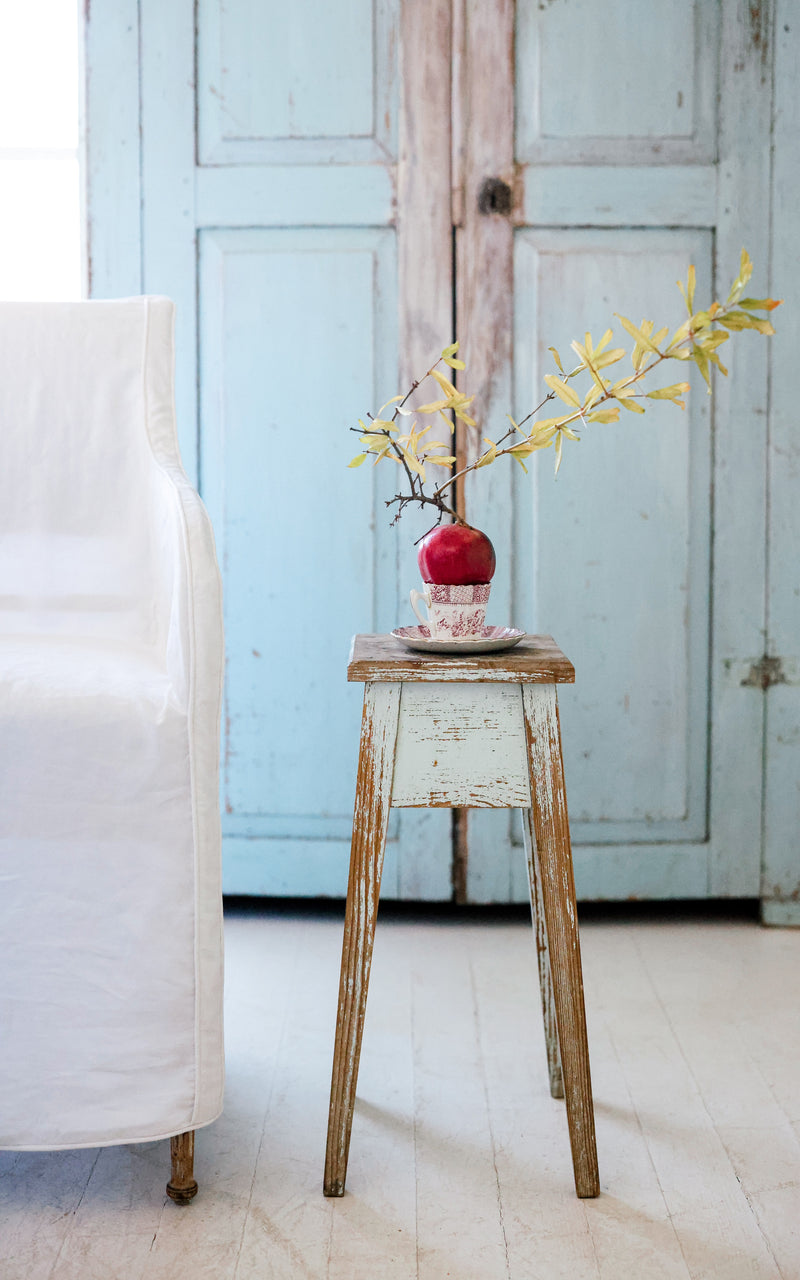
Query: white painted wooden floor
[[460, 1159]]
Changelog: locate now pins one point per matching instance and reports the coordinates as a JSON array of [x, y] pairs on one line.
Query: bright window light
[[40, 225]]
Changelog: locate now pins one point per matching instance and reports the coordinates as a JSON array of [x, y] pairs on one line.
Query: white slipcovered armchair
[[110, 683]]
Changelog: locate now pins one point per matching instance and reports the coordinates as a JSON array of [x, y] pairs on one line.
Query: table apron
[[461, 744]]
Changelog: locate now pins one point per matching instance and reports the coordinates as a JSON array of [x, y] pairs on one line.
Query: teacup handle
[[415, 597]]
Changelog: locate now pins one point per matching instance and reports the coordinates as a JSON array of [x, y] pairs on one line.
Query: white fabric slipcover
[[110, 685]]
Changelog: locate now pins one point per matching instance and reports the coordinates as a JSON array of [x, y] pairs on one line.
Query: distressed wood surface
[[427, 743], [643, 663], [112, 150], [461, 745], [780, 876], [424, 237], [662, 63], [689, 151], [739, 483], [583, 195], [290, 116], [535, 660], [240, 186], [269, 807], [370, 818], [551, 834], [424, 230], [476, 123], [168, 227], [286, 195], [182, 1186], [588, 180], [554, 1070], [484, 133]]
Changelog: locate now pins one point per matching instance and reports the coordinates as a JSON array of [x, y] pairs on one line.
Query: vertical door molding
[[780, 883], [169, 243], [112, 148], [740, 460], [139, 171], [424, 222], [425, 325], [483, 111]]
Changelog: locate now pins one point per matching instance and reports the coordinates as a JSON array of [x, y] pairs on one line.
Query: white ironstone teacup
[[455, 612]]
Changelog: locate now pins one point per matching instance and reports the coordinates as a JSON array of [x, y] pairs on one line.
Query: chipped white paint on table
[[481, 732]]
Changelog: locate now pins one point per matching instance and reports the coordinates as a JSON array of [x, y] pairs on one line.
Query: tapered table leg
[[551, 834], [370, 819], [543, 960], [182, 1187]]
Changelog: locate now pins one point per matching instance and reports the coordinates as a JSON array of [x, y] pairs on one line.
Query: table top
[[535, 660]]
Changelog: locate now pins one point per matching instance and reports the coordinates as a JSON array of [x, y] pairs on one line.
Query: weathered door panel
[[302, 83], [617, 85], [625, 169], [300, 576], [269, 168], [627, 525]]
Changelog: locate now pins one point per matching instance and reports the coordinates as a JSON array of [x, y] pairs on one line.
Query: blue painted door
[[293, 186], [269, 159], [645, 558], [295, 259]]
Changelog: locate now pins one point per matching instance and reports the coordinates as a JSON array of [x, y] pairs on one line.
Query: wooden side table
[[483, 732]]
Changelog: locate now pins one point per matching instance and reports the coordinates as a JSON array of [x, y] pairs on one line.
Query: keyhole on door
[[495, 197]]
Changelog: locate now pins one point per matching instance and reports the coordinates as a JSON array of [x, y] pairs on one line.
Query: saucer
[[492, 640]]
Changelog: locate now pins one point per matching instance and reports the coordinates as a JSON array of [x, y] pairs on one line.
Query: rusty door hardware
[[495, 196], [765, 673]]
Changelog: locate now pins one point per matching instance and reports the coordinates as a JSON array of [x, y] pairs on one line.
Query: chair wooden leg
[[551, 834], [370, 818], [182, 1187], [543, 960]]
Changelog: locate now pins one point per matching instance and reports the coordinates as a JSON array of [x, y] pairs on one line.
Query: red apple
[[456, 553]]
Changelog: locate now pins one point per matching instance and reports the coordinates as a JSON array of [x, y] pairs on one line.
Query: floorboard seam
[[266, 1111], [414, 1118], [485, 1083], [68, 1231]]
